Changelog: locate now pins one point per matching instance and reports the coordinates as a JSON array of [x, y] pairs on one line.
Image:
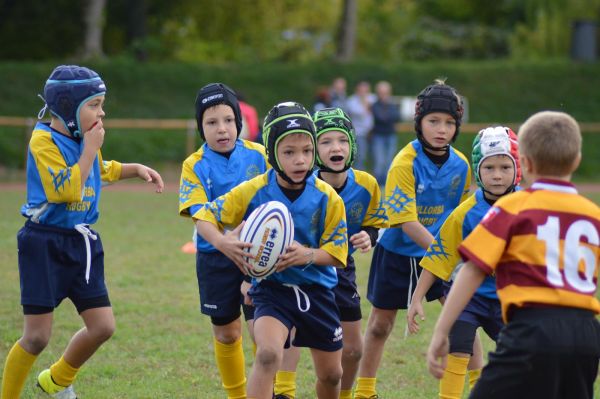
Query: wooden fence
[[189, 125]]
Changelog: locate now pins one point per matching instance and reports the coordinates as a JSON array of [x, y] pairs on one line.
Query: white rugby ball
[[270, 230]]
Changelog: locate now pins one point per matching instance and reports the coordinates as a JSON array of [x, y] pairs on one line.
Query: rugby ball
[[270, 230]]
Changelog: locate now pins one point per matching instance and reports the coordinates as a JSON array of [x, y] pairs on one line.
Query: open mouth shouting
[[337, 161]]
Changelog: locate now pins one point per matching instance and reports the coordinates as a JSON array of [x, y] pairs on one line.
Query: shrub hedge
[[498, 92]]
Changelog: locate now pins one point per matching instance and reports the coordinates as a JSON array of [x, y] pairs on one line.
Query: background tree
[[36, 30], [286, 30], [545, 31], [226, 31], [136, 28], [347, 31], [94, 22]]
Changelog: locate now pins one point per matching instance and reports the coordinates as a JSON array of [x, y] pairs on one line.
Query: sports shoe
[[67, 393], [47, 384], [281, 396]]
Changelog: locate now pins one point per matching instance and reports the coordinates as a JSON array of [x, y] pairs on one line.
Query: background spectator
[[385, 139], [337, 93], [359, 110], [322, 99]]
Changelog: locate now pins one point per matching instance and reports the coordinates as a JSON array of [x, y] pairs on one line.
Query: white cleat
[[67, 393]]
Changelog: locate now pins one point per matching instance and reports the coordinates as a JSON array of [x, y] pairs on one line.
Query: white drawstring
[[43, 110], [413, 270], [298, 291], [83, 229]]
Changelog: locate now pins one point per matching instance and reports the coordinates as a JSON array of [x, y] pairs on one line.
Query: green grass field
[[163, 345]]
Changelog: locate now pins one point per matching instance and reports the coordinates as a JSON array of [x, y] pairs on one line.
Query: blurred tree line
[[220, 31]]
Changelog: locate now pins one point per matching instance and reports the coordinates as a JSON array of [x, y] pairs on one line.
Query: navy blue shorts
[[390, 279], [480, 312], [52, 265], [309, 308], [346, 293], [219, 281], [485, 313], [248, 311]]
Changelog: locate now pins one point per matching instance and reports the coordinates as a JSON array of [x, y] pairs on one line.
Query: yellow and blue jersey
[[54, 193], [319, 222], [442, 257], [362, 199], [418, 190], [207, 174]]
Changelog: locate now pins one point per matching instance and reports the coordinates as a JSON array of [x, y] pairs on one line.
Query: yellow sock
[[230, 361], [365, 388], [63, 373], [453, 381], [346, 394], [17, 366], [474, 377], [285, 383]]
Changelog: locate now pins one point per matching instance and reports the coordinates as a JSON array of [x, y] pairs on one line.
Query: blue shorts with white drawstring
[[53, 265], [309, 308]]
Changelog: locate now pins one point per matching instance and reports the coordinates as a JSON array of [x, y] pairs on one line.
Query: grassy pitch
[[162, 347]]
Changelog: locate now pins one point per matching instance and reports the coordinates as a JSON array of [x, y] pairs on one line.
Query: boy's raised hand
[[94, 138], [294, 255], [151, 176], [415, 309], [361, 241], [230, 245]]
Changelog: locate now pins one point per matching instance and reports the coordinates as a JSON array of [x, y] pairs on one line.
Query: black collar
[[292, 193], [438, 160]]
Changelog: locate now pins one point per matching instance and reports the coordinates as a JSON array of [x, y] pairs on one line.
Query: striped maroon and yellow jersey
[[543, 244]]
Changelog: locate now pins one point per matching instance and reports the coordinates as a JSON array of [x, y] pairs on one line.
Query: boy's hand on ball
[[231, 246], [295, 255]]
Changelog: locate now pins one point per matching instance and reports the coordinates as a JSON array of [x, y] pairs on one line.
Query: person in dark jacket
[[384, 136]]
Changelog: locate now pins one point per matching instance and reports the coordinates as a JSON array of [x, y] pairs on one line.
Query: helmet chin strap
[[329, 170], [425, 144], [509, 190], [285, 177]]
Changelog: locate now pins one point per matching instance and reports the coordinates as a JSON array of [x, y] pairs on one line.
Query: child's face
[[497, 174], [295, 155], [334, 149], [91, 112], [219, 127], [438, 128]]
